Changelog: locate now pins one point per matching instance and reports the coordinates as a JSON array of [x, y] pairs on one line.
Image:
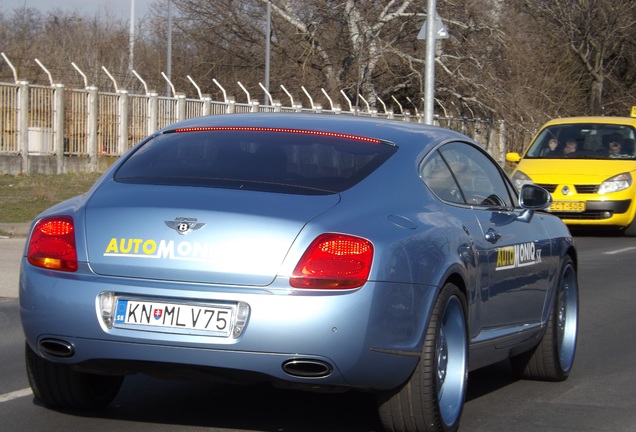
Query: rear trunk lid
[[195, 234]]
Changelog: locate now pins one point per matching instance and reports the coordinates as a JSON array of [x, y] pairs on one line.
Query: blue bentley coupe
[[317, 252]]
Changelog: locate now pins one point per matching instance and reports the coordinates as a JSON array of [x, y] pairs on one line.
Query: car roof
[[592, 119], [399, 132]]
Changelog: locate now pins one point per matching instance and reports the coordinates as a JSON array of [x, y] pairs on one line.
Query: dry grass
[[23, 197]]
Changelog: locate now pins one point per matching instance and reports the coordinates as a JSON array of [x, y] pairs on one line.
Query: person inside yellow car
[[615, 146], [570, 146], [554, 149]]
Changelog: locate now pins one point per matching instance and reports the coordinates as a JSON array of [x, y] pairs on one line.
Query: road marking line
[[15, 395], [614, 252]]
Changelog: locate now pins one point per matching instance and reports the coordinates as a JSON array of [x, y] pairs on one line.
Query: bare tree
[[58, 39], [595, 32], [338, 45], [520, 61], [362, 48]]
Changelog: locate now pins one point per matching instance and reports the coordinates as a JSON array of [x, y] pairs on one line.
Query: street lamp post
[[429, 72], [131, 40], [268, 30], [432, 30], [169, 53]]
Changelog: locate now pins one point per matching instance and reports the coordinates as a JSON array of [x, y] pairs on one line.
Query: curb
[[16, 229]]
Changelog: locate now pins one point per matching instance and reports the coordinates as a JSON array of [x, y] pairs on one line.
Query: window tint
[[256, 160], [438, 178], [471, 177]]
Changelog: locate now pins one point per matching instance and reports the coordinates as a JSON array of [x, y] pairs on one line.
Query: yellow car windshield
[[584, 141]]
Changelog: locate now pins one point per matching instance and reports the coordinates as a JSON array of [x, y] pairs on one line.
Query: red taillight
[[334, 261], [52, 244]]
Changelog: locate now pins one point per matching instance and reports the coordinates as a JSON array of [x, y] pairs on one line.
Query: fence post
[[207, 105], [255, 105], [181, 106], [23, 125], [464, 126], [122, 132], [502, 142], [231, 105], [91, 125], [489, 136], [153, 112], [58, 126]]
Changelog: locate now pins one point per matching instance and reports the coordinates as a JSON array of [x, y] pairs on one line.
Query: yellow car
[[588, 164]]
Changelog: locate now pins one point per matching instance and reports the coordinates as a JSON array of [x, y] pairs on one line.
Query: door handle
[[492, 236]]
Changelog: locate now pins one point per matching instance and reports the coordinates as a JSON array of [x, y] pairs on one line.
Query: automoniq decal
[[161, 249], [519, 255]]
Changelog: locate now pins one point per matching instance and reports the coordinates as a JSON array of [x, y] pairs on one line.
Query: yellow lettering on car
[[519, 255], [125, 247], [163, 249], [112, 246], [505, 256], [149, 247]]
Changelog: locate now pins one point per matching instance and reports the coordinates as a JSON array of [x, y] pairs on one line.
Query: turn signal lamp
[[334, 261], [52, 244]]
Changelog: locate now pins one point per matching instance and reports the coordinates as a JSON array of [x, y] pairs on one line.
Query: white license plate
[[209, 319]]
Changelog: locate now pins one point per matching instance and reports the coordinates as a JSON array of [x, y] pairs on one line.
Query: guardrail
[[58, 130]]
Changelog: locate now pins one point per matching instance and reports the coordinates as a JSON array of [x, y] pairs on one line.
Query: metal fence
[[58, 130]]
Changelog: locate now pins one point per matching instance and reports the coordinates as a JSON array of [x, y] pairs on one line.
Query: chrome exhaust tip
[[57, 348], [307, 368]]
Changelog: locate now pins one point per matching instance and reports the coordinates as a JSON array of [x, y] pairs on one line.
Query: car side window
[[460, 173], [439, 179], [478, 176]]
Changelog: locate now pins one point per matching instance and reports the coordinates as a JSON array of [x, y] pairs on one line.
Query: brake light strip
[[279, 130]]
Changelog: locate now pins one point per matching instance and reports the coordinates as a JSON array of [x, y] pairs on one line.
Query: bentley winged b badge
[[184, 225]]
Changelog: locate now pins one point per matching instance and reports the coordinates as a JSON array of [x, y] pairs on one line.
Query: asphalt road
[[10, 253], [600, 394]]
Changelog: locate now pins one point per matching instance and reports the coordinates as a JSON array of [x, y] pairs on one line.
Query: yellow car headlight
[[617, 183]]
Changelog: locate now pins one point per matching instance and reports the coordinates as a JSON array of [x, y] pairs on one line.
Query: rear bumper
[[366, 337]]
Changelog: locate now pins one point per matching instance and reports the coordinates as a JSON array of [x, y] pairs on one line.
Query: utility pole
[[268, 31], [429, 73], [432, 30], [169, 53], [131, 40]]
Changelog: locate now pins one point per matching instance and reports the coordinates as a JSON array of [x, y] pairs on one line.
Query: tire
[[553, 358], [630, 231], [433, 397], [58, 386]]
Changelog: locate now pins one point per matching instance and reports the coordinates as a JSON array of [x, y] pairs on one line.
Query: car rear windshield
[[303, 162]]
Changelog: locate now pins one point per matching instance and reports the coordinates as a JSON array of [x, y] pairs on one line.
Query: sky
[[119, 8]]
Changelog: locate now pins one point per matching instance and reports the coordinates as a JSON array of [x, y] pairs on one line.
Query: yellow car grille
[[582, 189]]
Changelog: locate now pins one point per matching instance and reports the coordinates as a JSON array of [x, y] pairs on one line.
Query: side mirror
[[513, 157], [533, 197]]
